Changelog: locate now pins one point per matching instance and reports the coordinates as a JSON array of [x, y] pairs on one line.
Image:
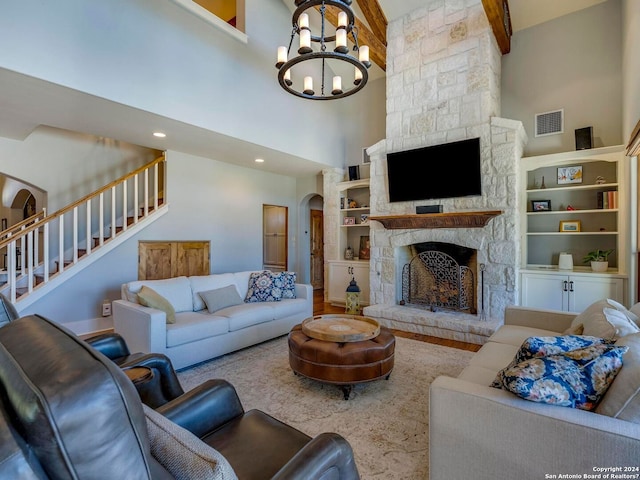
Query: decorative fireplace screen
[[436, 280]]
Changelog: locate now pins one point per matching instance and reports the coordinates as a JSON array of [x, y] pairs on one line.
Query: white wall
[[630, 66], [158, 57], [573, 62], [208, 200]]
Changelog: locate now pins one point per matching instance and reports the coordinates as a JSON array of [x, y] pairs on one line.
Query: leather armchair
[[68, 412], [256, 444], [164, 385]]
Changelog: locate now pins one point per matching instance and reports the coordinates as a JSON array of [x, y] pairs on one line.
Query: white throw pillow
[[605, 319]]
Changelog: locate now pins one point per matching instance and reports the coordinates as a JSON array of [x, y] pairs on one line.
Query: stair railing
[[25, 256]]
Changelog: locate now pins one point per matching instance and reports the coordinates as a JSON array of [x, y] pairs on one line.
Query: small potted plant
[[598, 259]]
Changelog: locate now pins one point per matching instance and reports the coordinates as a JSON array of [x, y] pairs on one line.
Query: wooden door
[[275, 226], [317, 249], [158, 260]]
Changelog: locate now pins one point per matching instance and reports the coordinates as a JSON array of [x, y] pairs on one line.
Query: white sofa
[[198, 335], [480, 432]]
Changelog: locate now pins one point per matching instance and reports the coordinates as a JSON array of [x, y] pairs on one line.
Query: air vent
[[549, 123]]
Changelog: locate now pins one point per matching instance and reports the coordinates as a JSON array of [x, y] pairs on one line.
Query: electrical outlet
[[106, 308]]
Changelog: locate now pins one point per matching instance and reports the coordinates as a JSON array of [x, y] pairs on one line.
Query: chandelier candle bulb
[[287, 78], [342, 20], [305, 41], [358, 77], [308, 85], [341, 41], [282, 56], [337, 85], [364, 55], [303, 21]]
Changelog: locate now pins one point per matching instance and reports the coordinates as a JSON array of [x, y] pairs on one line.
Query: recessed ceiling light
[[159, 134], [259, 160]]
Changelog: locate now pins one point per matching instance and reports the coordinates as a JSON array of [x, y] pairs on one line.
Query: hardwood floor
[[320, 307]]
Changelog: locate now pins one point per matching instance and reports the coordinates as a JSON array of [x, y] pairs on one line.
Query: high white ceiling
[[27, 102]]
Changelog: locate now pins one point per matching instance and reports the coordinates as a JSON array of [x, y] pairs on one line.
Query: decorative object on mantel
[[438, 220], [319, 61]]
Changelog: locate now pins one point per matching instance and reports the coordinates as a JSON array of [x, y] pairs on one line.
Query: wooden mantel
[[438, 220]]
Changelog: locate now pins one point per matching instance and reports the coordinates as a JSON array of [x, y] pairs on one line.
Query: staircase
[[43, 251]]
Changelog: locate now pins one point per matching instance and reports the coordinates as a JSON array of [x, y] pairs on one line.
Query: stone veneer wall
[[443, 85]]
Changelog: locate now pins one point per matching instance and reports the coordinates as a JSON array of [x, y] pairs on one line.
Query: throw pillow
[[576, 379], [605, 319], [285, 281], [183, 454], [623, 398], [220, 298], [538, 347], [262, 288], [150, 298]]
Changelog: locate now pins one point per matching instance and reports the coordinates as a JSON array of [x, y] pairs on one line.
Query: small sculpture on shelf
[[600, 180]]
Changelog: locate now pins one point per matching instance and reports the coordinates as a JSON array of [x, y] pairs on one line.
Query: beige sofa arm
[[538, 318], [143, 328], [506, 437]]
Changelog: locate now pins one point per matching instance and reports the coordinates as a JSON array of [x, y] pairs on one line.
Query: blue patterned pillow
[[263, 288], [576, 379], [286, 281], [538, 347]]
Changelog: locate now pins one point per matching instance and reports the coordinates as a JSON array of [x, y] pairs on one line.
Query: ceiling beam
[[498, 14], [377, 49], [375, 17]]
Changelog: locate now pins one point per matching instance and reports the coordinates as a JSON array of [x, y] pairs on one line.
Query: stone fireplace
[[443, 83]]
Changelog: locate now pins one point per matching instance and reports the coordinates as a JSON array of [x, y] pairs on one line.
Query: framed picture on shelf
[[365, 248], [569, 175], [570, 225], [541, 205], [349, 221]]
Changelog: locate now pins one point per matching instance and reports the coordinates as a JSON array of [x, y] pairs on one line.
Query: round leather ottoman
[[344, 363]]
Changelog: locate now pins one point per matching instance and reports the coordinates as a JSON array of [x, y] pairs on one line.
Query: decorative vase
[[565, 261], [348, 253], [599, 266]]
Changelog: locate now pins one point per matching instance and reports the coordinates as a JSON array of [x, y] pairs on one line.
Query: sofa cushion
[[220, 298], [247, 314], [515, 334], [577, 379], [494, 356], [241, 280], [193, 326], [183, 454], [263, 288], [286, 308], [203, 283], [150, 298], [623, 397], [176, 290], [606, 319]]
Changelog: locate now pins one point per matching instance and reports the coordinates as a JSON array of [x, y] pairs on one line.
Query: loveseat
[[68, 412], [481, 432], [202, 331]]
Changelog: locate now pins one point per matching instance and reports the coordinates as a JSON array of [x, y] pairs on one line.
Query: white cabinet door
[[340, 274], [543, 291], [573, 293], [583, 291]]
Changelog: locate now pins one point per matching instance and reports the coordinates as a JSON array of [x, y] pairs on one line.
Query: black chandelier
[[319, 58]]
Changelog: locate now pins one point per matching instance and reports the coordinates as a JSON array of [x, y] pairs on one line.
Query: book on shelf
[[607, 200]]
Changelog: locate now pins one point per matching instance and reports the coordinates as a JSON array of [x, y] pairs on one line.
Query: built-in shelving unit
[[574, 218]]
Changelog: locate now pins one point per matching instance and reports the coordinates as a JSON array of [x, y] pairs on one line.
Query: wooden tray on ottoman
[[341, 328]]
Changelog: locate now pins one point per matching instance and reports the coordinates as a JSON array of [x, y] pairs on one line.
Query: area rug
[[386, 421]]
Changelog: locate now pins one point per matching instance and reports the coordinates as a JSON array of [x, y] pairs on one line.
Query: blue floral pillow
[[577, 379], [286, 282], [538, 347], [263, 288]]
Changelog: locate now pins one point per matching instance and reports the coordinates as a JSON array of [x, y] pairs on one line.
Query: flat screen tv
[[439, 171]]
